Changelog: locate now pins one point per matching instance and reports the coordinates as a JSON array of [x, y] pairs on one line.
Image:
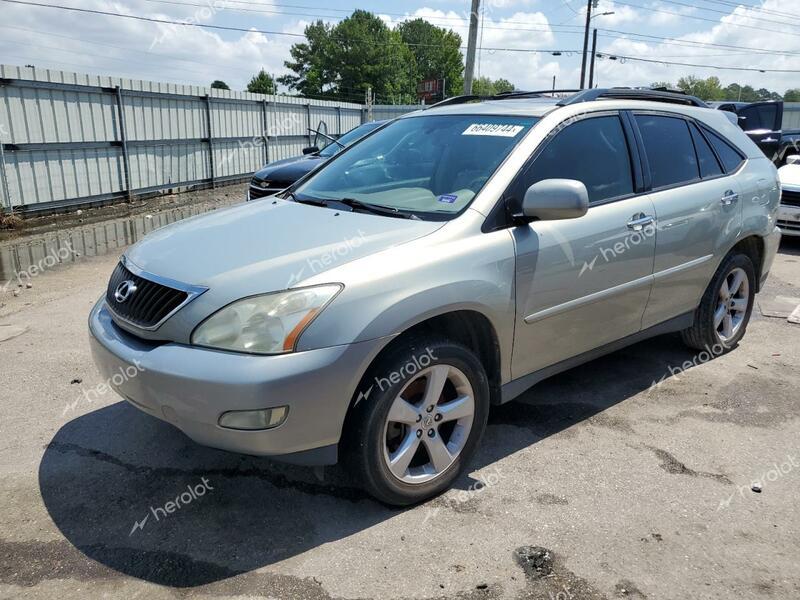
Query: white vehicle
[[789, 211]]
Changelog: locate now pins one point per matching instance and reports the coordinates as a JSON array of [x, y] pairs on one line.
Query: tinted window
[[432, 164], [731, 159], [593, 151], [762, 116], [669, 149], [348, 138], [709, 165]]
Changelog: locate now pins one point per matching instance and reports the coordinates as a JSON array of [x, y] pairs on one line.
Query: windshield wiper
[[311, 201], [377, 208]]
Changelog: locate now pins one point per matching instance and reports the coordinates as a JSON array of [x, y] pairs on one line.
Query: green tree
[[437, 53], [218, 84], [705, 89], [314, 75], [263, 83], [792, 95], [484, 86], [358, 53]]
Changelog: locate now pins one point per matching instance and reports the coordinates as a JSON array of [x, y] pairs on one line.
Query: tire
[[708, 332], [377, 447]]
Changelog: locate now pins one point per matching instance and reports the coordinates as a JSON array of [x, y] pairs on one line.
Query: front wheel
[[418, 417], [724, 312]]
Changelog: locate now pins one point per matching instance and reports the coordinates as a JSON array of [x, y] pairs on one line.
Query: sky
[[518, 38]]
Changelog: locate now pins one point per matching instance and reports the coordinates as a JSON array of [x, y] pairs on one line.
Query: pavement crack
[[277, 480], [675, 467]]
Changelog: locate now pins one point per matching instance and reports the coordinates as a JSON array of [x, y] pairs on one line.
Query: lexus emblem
[[124, 291], [265, 184]]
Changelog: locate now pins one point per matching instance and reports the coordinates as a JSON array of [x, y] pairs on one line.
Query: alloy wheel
[[428, 424], [732, 304]]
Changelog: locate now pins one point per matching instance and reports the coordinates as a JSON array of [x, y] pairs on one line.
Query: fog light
[[266, 418]]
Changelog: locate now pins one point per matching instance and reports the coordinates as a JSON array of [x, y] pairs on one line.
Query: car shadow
[[107, 476]]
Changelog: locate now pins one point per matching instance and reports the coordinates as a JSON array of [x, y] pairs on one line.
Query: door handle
[[729, 198], [638, 222]]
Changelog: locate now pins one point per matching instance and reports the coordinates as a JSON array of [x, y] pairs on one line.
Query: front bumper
[[191, 387], [789, 220]]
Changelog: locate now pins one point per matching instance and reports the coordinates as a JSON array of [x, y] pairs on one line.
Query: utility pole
[[554, 82], [472, 42], [586, 41], [594, 54]]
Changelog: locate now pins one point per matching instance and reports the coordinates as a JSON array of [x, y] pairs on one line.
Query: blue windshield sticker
[[449, 198]]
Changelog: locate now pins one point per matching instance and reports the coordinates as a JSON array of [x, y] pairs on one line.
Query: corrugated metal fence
[[71, 139], [791, 115]]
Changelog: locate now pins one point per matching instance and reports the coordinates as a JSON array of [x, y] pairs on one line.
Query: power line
[[715, 21], [613, 56], [751, 7], [683, 42], [728, 13]]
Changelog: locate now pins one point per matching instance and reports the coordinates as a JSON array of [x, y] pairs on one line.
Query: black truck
[[763, 121]]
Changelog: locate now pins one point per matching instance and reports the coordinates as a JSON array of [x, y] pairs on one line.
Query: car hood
[[267, 246], [289, 170], [790, 176]]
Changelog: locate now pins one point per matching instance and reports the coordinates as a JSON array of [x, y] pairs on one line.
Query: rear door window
[[669, 148], [709, 165], [593, 151], [730, 157]]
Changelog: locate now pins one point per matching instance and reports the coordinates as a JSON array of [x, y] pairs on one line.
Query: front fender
[[387, 293]]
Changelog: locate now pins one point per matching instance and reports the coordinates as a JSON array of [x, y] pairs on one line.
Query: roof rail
[[653, 95], [463, 99], [520, 93], [456, 100]]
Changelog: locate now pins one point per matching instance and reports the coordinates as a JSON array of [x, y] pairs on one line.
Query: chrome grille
[[789, 198], [148, 305]]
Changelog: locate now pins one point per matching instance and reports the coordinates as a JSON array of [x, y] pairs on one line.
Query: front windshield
[[347, 139], [428, 164]]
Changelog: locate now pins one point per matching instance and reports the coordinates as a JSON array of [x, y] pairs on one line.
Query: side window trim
[[513, 188], [636, 145]]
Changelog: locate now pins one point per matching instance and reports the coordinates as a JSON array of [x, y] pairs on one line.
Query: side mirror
[[555, 199], [310, 150], [794, 159], [742, 122]]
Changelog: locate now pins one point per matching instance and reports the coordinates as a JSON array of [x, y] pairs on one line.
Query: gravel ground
[[596, 484]]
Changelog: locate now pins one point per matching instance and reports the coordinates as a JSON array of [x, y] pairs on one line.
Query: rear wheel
[[724, 312], [418, 418]]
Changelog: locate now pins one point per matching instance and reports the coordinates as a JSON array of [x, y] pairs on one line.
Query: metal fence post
[[123, 138], [308, 123], [338, 120], [266, 130], [210, 142], [6, 193]]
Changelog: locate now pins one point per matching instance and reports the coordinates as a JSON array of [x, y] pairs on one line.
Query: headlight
[[268, 324]]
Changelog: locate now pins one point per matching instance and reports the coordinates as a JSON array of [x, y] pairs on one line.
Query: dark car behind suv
[[279, 175], [763, 123]]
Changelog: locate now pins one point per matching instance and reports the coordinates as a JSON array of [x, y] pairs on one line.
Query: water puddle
[[23, 259]]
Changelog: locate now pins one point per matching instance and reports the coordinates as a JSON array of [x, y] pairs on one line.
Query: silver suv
[[446, 262]]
